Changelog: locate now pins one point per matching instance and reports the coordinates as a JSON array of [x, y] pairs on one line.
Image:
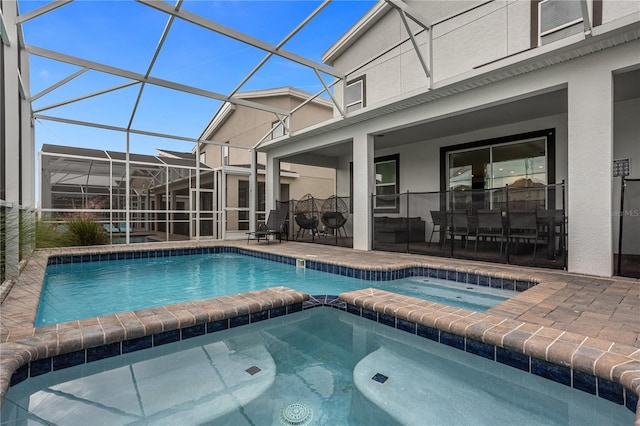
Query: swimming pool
[[78, 290], [327, 365]]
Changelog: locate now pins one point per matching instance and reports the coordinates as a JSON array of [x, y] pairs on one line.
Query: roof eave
[[356, 31]]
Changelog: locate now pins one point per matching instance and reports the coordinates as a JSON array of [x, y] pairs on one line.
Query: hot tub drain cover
[[296, 414]]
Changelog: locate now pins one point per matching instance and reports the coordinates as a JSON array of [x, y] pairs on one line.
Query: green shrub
[[84, 231], [49, 235]]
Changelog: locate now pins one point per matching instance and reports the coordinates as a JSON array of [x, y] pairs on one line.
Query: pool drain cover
[[296, 414]]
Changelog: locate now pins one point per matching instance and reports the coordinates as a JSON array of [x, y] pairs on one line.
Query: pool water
[[75, 291], [320, 366]]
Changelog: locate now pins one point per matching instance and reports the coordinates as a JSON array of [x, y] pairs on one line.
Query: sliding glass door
[[520, 164]]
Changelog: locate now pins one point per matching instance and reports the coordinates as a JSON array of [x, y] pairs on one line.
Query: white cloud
[[44, 74]]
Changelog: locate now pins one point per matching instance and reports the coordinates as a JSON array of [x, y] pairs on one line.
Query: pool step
[[435, 390]]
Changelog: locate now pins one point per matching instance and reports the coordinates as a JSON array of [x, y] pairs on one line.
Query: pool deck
[[589, 323]]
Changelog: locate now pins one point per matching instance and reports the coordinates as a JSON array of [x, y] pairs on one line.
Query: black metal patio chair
[[490, 225], [523, 225], [274, 226]]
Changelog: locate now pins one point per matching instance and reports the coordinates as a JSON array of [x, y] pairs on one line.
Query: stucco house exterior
[[235, 129], [433, 84]]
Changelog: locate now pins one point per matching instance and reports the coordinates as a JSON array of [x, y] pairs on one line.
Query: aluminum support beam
[[333, 98], [237, 35], [10, 160], [586, 19], [405, 12], [4, 36], [197, 191], [314, 96], [87, 96], [58, 84], [45, 53], [416, 48], [411, 13], [163, 37], [42, 10], [135, 131], [22, 89], [253, 193], [279, 45]]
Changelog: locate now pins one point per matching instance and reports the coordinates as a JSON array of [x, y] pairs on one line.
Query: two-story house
[[236, 129], [477, 95]]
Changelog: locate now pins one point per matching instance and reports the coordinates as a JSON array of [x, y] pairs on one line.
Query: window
[[520, 161], [354, 95], [387, 183], [203, 157], [225, 155], [277, 129], [559, 19]]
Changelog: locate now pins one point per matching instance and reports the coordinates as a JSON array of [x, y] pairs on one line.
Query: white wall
[[614, 9], [489, 32], [486, 32]]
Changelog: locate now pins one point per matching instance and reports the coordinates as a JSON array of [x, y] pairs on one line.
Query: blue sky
[[124, 34]]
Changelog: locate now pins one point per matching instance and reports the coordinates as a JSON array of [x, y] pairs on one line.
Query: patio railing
[[515, 225]]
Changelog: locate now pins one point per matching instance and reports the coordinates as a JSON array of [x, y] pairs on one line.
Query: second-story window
[[354, 95], [559, 19], [225, 155]]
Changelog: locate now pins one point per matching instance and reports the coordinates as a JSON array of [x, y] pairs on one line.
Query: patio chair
[[306, 216], [490, 225], [274, 226], [123, 227], [334, 214], [306, 223], [552, 226], [439, 220], [110, 228], [523, 225], [460, 226]]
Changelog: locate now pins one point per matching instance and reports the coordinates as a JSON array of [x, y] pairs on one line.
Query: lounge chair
[[110, 228], [123, 227], [275, 226]]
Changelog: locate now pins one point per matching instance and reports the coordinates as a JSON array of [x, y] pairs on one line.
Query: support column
[[589, 192], [45, 183], [363, 185], [11, 160], [173, 207], [197, 195], [253, 190], [272, 184], [127, 186], [27, 146]]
